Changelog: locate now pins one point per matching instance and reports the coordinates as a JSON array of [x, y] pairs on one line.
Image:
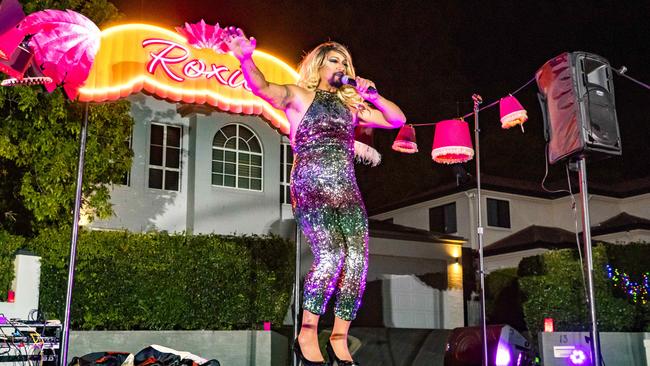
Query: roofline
[[414, 237], [528, 246], [522, 190], [595, 231]]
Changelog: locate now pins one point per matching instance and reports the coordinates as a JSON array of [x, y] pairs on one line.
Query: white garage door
[[410, 303]]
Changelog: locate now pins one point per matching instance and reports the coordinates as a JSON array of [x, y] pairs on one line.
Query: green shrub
[[552, 286], [9, 244], [496, 282], [503, 299], [160, 281], [631, 259]]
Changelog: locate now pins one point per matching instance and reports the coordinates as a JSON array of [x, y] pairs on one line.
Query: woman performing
[[326, 201]]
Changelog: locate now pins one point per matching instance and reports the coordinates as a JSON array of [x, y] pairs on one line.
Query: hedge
[[9, 244], [552, 286], [503, 299], [159, 281], [633, 259]]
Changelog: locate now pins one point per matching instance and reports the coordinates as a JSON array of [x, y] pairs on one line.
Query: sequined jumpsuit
[[328, 207]]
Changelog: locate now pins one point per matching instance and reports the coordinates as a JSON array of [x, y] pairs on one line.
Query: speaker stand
[[296, 292], [65, 337], [588, 267]]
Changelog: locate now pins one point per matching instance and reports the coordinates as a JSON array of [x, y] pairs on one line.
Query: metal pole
[[586, 237], [73, 243], [479, 228], [296, 293]]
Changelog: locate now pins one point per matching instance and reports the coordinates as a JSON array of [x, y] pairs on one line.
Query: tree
[[39, 146]]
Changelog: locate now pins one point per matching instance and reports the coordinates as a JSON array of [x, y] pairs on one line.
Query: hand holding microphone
[[365, 87]]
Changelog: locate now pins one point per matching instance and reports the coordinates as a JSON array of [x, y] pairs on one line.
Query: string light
[[638, 292], [480, 110]]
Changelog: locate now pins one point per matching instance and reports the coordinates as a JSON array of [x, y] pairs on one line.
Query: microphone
[[345, 79]]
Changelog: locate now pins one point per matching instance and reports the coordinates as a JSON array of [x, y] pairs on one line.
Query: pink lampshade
[[451, 142], [405, 141], [18, 62], [512, 113]]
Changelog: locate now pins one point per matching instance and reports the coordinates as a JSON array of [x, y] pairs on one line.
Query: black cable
[[582, 271], [575, 220], [546, 174], [10, 343], [6, 339]]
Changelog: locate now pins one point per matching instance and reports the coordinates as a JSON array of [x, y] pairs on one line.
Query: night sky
[[431, 56]]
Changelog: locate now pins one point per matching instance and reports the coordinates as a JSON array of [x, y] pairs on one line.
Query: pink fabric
[[18, 63], [64, 44], [9, 41], [452, 142], [555, 82], [11, 13]]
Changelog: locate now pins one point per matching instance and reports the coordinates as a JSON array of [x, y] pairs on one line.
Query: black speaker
[[576, 93], [506, 347]]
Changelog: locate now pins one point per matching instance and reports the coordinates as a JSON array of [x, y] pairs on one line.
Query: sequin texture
[[328, 207]]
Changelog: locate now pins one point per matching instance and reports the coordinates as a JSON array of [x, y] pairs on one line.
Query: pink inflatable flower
[[202, 35]]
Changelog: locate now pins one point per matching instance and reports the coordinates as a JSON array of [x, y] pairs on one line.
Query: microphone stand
[[479, 228], [296, 293]]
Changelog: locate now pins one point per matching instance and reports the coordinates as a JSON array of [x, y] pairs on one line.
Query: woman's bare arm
[[387, 114], [279, 96]]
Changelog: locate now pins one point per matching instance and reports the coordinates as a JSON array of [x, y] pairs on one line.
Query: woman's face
[[334, 66]]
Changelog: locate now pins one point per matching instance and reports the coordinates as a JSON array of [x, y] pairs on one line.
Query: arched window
[[237, 158]]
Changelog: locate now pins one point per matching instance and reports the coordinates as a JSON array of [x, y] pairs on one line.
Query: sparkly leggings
[[338, 238]]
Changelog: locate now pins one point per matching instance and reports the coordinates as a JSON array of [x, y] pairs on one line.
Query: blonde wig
[[309, 76]]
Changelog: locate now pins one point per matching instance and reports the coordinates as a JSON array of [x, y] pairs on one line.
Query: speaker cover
[[577, 100]]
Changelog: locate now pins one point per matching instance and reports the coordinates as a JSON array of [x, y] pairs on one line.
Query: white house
[[520, 219], [199, 170]]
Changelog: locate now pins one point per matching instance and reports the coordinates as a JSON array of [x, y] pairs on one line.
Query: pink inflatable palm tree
[[63, 43]]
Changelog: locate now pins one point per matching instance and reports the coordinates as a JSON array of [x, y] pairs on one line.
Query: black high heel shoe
[[332, 356], [303, 360]]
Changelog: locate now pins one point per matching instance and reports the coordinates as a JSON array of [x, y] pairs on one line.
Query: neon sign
[[193, 68], [139, 57]]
